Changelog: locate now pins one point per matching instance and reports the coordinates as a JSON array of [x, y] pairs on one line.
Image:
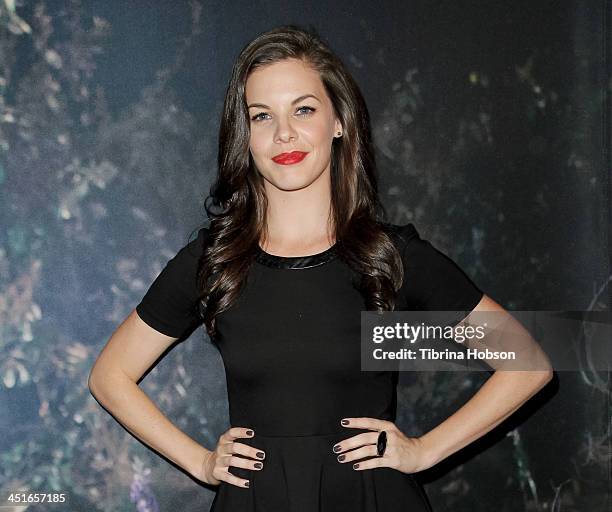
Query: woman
[[298, 248]]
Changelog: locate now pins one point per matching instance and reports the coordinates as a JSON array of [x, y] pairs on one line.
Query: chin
[[287, 183]]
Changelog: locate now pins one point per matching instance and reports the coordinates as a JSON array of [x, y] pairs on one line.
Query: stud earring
[[338, 134]]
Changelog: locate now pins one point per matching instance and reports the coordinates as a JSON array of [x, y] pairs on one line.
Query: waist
[[306, 426], [273, 435], [301, 408]]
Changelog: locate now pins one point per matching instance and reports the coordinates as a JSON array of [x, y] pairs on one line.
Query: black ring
[[381, 445]]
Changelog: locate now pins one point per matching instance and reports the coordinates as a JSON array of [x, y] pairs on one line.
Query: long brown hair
[[238, 195]]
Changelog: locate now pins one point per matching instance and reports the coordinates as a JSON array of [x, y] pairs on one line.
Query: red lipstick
[[289, 158]]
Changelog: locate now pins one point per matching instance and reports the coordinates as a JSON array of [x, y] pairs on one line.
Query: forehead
[[283, 81]]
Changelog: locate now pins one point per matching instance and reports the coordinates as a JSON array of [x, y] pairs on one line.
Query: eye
[[257, 117], [310, 110]]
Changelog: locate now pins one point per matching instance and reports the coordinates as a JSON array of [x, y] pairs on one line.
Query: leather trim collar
[[295, 262]]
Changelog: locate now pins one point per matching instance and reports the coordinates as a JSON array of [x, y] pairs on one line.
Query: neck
[[300, 217]]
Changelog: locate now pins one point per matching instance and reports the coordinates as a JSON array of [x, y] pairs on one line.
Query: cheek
[[317, 135], [257, 145]]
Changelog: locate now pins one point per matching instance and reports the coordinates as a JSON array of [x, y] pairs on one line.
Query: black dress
[[291, 350]]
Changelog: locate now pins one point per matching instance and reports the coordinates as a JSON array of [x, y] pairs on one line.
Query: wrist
[[431, 452], [200, 456]]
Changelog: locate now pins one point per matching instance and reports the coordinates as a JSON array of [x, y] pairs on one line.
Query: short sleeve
[[170, 303], [432, 280]]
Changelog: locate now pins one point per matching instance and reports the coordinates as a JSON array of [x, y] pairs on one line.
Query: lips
[[290, 158]]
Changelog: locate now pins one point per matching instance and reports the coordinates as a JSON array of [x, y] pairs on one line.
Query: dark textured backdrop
[[492, 128]]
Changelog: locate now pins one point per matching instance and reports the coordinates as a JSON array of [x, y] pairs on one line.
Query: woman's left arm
[[500, 396]]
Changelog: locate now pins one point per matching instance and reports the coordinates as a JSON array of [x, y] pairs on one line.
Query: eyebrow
[[296, 100]]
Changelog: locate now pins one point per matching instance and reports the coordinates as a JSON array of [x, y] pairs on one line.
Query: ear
[[337, 127]]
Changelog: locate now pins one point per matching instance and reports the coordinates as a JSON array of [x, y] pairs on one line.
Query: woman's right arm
[[128, 354]]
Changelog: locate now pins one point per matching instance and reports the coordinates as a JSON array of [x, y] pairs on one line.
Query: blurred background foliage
[[491, 124]]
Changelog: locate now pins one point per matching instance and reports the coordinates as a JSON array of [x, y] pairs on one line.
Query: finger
[[228, 477], [358, 454], [377, 462], [356, 441], [367, 423], [249, 451], [241, 462], [225, 461], [238, 433]]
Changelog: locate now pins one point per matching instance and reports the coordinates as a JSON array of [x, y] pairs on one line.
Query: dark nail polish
[[341, 457], [249, 432], [246, 484], [345, 422], [355, 466], [258, 465], [337, 448], [260, 455]]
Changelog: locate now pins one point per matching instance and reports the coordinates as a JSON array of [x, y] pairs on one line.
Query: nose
[[284, 132]]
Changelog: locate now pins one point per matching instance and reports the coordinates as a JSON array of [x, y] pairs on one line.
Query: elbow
[[91, 384], [547, 372], [105, 383], [99, 390], [545, 376], [95, 384]]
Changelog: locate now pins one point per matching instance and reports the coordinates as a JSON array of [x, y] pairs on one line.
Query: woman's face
[[281, 122]]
